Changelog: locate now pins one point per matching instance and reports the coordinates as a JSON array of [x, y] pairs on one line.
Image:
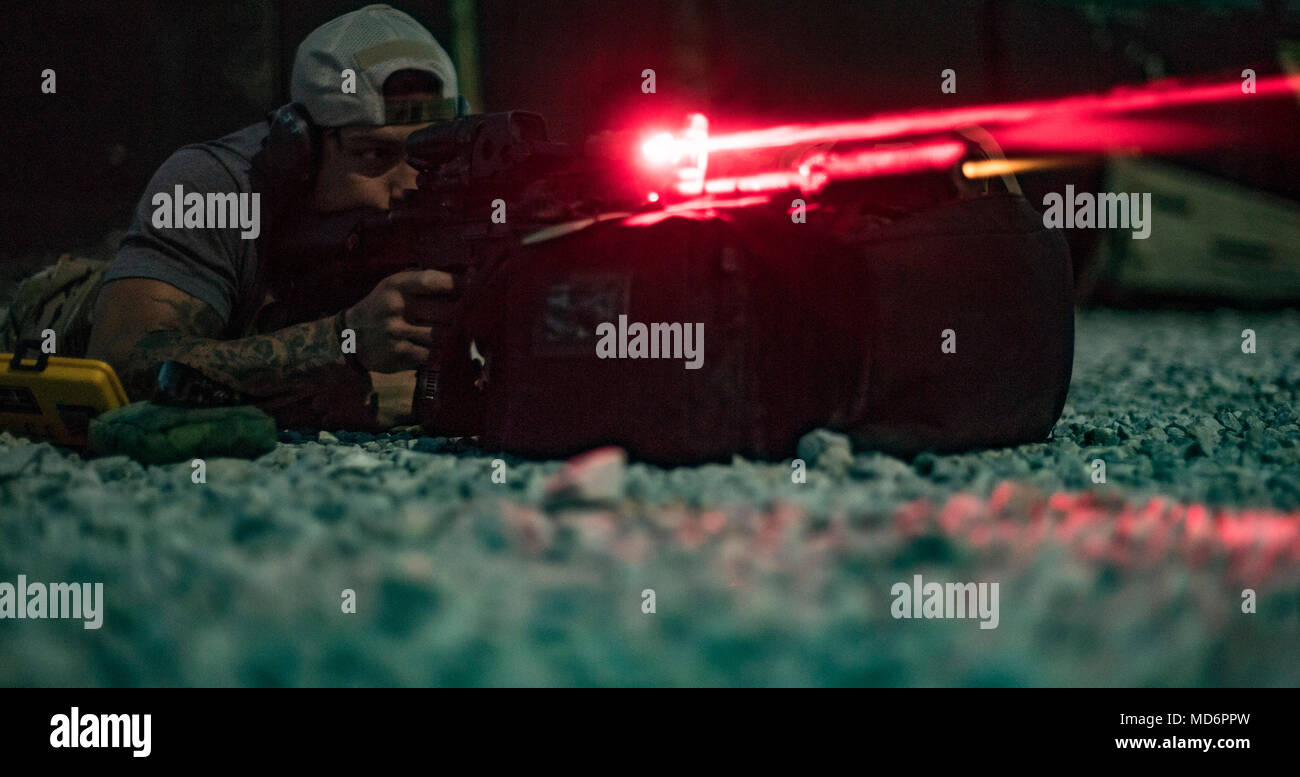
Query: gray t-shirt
[[214, 264]]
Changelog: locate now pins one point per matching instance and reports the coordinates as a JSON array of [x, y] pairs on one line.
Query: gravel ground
[[757, 580]]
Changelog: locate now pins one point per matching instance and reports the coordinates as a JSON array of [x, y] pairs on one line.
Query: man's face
[[364, 167]]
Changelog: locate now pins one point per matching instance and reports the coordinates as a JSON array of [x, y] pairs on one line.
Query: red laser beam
[[1122, 121], [1073, 113], [822, 167]]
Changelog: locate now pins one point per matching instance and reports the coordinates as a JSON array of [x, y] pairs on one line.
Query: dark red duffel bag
[[949, 329]]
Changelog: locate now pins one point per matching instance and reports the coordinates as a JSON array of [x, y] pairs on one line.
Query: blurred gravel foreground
[[543, 579]]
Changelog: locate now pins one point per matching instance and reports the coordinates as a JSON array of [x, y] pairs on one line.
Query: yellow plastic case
[[54, 397]]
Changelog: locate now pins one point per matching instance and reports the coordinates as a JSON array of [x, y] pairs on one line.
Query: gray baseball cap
[[374, 42]]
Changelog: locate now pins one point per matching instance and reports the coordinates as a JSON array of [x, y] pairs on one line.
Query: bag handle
[[42, 360]]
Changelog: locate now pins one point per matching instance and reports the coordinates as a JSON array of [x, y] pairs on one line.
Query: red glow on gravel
[[1253, 543]]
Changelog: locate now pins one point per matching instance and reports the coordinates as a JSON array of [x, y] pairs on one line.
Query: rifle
[[484, 181], [326, 262]]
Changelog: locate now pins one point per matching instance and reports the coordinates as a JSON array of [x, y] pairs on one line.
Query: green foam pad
[[160, 434]]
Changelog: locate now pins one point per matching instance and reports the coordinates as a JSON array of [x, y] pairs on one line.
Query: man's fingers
[[421, 335], [418, 282], [429, 310], [415, 354]]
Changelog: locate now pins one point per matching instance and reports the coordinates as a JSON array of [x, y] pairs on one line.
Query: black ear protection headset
[[293, 147]]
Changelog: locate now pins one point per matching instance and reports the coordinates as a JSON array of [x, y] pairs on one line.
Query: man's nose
[[402, 179]]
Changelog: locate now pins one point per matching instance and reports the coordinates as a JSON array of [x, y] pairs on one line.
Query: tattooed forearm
[[141, 323], [264, 365]]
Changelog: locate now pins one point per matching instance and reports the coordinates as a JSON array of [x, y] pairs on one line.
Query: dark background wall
[[139, 78]]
